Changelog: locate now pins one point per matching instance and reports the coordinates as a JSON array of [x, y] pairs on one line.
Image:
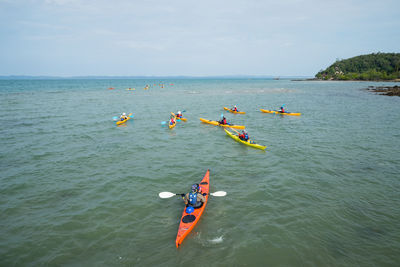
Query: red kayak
[[188, 221]]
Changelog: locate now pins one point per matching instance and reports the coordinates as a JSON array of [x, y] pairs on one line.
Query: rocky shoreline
[[385, 90]]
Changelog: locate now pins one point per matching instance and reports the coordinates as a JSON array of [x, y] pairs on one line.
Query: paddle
[[222, 115], [235, 130], [169, 194]]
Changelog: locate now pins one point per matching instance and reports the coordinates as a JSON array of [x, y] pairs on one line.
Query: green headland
[[372, 67]]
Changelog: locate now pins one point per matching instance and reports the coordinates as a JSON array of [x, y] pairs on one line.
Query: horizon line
[[151, 76]]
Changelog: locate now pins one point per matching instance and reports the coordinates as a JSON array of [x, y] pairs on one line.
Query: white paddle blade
[[219, 194], [166, 194]]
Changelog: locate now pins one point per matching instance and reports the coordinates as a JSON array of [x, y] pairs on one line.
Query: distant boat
[[276, 78]]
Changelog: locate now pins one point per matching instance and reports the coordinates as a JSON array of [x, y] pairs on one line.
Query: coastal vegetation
[[372, 67]]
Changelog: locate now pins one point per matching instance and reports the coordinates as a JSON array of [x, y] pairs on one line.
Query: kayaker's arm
[[201, 198], [185, 198]]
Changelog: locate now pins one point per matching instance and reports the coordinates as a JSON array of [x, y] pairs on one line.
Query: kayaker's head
[[195, 188], [235, 106], [179, 112], [124, 114]]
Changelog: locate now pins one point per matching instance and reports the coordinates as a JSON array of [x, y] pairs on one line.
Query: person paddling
[[179, 115], [172, 121], [123, 116], [244, 135], [234, 108], [281, 110], [195, 198], [223, 121]]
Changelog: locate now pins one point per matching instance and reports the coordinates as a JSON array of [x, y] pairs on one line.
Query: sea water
[[75, 189]]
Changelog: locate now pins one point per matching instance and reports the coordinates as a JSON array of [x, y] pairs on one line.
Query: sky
[[191, 38]]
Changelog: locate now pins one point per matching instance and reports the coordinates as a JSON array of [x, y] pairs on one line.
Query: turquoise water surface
[[75, 189]]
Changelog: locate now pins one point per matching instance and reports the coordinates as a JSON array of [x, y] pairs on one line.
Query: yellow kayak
[[181, 119], [128, 118], [277, 112], [235, 112], [216, 123], [248, 143], [172, 125], [169, 123], [177, 118]]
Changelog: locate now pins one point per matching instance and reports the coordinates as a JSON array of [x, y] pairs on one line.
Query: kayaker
[[123, 116], [244, 135], [281, 110], [179, 115], [234, 108], [172, 121], [223, 121], [194, 199]]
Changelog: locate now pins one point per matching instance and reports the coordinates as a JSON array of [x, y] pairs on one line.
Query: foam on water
[[217, 240]]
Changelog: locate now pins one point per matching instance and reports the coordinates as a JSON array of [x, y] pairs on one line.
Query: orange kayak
[[235, 112], [188, 221]]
